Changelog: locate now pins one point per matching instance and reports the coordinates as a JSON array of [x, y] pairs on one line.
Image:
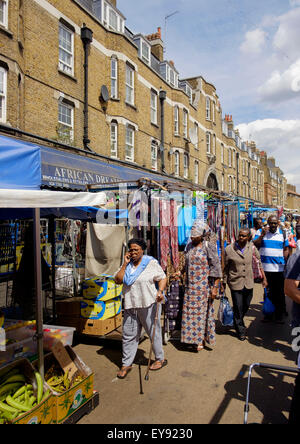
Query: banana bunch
[[59, 381]]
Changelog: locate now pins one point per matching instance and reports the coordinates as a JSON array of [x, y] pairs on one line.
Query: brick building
[[134, 107]]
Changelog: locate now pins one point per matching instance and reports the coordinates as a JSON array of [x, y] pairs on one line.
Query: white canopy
[[49, 199]]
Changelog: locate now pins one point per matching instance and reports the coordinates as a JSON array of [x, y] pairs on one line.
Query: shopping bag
[[257, 273], [225, 314], [268, 307]]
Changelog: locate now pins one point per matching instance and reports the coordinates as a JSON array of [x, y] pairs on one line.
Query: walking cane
[[152, 340]]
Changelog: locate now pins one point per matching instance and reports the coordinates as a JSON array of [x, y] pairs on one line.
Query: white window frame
[[154, 151], [176, 163], [208, 143], [208, 116], [213, 112], [196, 129], [63, 66], [185, 123], [4, 22], [3, 95], [145, 55], [129, 150], [153, 107], [129, 83], [114, 140], [229, 157], [196, 172], [214, 145], [222, 154], [172, 77], [69, 126], [176, 120], [114, 78], [185, 166], [109, 14]]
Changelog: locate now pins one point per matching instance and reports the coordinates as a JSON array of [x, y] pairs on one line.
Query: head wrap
[[200, 229]]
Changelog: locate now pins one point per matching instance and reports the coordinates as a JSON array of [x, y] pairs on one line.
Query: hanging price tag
[[64, 359]]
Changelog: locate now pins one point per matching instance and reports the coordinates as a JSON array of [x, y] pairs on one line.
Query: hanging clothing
[[186, 217], [168, 233]]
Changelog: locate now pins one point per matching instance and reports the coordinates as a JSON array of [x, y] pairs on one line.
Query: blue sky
[[250, 51]]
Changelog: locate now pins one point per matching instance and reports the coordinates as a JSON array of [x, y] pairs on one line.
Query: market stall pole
[[38, 290]]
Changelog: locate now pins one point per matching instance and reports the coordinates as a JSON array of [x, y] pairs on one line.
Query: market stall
[[35, 199]]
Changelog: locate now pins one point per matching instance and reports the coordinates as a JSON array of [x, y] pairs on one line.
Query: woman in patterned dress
[[203, 274]]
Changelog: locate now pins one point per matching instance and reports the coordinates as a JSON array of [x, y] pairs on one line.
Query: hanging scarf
[[130, 277]]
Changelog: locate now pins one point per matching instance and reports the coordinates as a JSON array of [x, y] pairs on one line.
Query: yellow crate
[[65, 404], [101, 288], [101, 309]]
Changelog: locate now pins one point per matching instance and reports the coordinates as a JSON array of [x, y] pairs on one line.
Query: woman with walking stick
[[139, 275]]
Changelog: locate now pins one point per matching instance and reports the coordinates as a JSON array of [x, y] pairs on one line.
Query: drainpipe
[[162, 98], [87, 38]]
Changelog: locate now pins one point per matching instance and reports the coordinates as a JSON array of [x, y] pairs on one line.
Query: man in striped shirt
[[274, 252]]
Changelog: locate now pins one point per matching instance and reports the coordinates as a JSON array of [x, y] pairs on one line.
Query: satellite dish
[[193, 136], [104, 94]]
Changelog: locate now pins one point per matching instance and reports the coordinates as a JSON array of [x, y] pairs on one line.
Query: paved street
[[197, 388]]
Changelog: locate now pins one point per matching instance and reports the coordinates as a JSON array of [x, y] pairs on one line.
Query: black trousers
[[241, 303], [276, 292]]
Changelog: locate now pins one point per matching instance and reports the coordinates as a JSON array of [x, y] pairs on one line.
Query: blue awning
[[25, 165]]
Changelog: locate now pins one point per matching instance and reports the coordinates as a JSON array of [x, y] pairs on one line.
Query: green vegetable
[[14, 378], [10, 387], [46, 394], [8, 408], [22, 390], [17, 405], [40, 387]]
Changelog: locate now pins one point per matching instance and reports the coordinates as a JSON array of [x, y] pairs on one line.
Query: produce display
[[59, 381], [17, 396]]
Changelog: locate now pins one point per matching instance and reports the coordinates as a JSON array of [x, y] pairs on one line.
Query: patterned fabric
[[168, 234], [164, 233], [198, 314], [174, 234]]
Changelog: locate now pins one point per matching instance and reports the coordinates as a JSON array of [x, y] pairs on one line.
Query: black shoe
[[242, 338]]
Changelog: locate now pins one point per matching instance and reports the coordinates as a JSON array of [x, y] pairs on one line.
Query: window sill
[[115, 99], [6, 31], [176, 135], [131, 106], [155, 124], [70, 76]]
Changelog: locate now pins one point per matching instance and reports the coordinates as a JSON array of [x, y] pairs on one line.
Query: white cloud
[[254, 41], [295, 3], [279, 138], [282, 86]]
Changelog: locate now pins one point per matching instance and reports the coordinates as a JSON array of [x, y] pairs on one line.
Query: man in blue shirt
[[274, 252]]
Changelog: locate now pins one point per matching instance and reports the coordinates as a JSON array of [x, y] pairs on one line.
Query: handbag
[[292, 242], [225, 314], [257, 273], [268, 307]]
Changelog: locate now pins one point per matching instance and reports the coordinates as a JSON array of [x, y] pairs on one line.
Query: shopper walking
[[291, 288], [257, 225], [274, 251], [139, 275], [203, 274], [238, 274]]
